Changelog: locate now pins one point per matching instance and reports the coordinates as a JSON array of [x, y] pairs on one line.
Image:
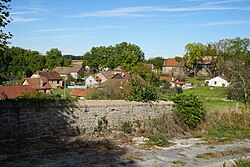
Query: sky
[[158, 27]]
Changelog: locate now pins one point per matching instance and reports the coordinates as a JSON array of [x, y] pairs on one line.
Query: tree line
[[18, 62]]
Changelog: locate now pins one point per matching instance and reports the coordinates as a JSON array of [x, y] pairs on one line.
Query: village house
[[171, 67], [90, 81], [12, 92], [54, 78], [39, 84], [219, 81], [75, 71], [79, 93]]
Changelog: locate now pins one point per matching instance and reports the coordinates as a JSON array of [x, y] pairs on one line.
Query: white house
[[90, 81], [218, 82]]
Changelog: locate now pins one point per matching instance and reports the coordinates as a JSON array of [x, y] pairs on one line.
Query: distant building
[[75, 71], [219, 81], [39, 84], [12, 92], [90, 81], [171, 67], [54, 78], [80, 93]]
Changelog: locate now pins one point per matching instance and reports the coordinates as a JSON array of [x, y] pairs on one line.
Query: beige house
[[75, 71], [54, 79], [39, 84], [172, 67]]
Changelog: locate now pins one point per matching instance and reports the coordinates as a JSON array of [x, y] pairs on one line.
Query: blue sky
[[159, 27]]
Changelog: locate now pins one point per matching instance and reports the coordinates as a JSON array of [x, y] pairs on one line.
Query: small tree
[[189, 108]]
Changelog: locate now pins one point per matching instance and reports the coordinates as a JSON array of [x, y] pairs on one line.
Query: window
[[215, 82]]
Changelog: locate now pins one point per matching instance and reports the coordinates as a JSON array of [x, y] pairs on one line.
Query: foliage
[[157, 62], [4, 15], [61, 91], [126, 127], [54, 59], [189, 107], [146, 73], [22, 62], [72, 57], [155, 140], [141, 92], [123, 54], [243, 163]]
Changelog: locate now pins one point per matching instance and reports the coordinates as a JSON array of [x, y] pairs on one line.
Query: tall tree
[[54, 58], [123, 54], [157, 62], [194, 52], [4, 20]]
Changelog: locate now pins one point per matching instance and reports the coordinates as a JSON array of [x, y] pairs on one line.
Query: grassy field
[[76, 62], [213, 99], [61, 91]]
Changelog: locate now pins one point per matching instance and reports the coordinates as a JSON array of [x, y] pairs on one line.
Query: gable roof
[[50, 75], [171, 62], [39, 83], [168, 78], [119, 68], [107, 74], [79, 92], [12, 92], [117, 76], [62, 70], [76, 68]]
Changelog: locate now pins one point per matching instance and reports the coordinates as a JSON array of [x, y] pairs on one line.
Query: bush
[[126, 127], [189, 108], [155, 140]]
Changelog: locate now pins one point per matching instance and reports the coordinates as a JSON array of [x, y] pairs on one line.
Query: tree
[[4, 15], [157, 62], [123, 54], [194, 53], [54, 58]]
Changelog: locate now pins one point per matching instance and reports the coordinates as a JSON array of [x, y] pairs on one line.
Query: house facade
[[218, 82], [171, 67], [90, 81], [39, 84]]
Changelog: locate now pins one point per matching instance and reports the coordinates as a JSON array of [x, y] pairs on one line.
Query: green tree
[[157, 62], [123, 54], [4, 20], [194, 53], [54, 58], [189, 108]]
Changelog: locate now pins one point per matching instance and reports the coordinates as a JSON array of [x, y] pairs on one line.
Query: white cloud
[[227, 22], [144, 10], [25, 20], [79, 29]]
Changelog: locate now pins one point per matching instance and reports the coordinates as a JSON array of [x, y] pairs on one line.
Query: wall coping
[[119, 103]]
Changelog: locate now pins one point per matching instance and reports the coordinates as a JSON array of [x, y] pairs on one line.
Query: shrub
[[189, 108], [126, 127], [155, 140]]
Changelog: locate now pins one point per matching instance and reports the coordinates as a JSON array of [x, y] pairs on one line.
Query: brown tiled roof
[[63, 70], [171, 62], [38, 83], [114, 83], [107, 74], [79, 92], [119, 68], [12, 92], [76, 68], [117, 76], [51, 75]]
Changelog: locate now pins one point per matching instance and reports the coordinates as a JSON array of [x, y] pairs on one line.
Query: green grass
[[243, 163], [61, 91], [196, 81], [213, 99]]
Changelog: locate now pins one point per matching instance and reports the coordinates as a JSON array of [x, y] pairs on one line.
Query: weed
[[126, 127], [179, 162], [155, 140]]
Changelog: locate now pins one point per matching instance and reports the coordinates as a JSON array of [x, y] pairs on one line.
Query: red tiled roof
[[171, 62], [38, 83], [79, 92], [12, 92], [51, 75]]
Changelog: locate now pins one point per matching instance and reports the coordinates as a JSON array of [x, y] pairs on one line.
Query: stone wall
[[84, 117]]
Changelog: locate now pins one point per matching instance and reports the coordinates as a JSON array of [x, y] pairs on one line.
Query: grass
[[179, 162], [61, 91], [76, 62], [196, 81], [243, 163], [214, 99]]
